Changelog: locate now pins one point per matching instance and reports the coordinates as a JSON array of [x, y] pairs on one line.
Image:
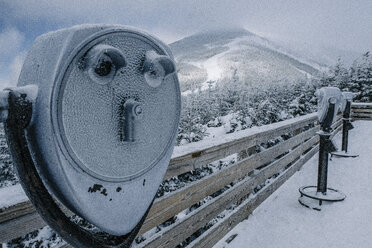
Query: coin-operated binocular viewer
[[347, 98], [92, 125], [328, 104]]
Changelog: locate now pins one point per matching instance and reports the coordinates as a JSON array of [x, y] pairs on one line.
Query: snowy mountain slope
[[207, 58]]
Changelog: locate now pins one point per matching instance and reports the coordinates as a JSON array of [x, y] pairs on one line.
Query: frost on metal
[[98, 124], [156, 67], [346, 97], [327, 96]]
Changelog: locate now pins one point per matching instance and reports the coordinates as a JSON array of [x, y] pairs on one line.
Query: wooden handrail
[[189, 157], [362, 111], [21, 218]]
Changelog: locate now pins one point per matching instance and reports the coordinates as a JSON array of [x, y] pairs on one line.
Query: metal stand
[[321, 192], [346, 126], [20, 111]]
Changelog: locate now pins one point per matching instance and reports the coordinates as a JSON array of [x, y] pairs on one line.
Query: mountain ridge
[[207, 58]]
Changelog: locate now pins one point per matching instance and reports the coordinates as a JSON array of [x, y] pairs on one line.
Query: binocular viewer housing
[[329, 99], [105, 113], [347, 98]]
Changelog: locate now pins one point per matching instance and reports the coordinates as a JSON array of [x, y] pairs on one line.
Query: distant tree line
[[357, 78], [255, 105]]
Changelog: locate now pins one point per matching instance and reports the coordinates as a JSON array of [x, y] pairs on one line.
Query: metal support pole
[[319, 192], [346, 126], [323, 162], [345, 135]]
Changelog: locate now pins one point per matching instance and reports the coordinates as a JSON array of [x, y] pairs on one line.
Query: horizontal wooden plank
[[337, 126], [215, 149], [356, 105], [363, 110], [175, 234], [173, 203], [22, 221], [219, 230], [15, 211], [337, 123], [336, 130], [362, 115], [362, 119], [20, 226]]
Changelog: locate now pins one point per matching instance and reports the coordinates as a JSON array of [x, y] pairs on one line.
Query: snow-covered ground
[[281, 222], [12, 195], [213, 67]]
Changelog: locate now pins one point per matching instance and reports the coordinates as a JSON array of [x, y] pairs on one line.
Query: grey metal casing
[[325, 95], [346, 97], [74, 136]]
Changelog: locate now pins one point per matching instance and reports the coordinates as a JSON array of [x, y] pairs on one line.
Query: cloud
[[342, 23], [166, 16], [15, 68], [10, 43], [13, 71], [12, 56], [3, 83]]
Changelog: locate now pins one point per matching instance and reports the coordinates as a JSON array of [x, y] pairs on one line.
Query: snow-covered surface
[[212, 65], [324, 96], [46, 237], [362, 104], [12, 195], [217, 140], [216, 70], [281, 222], [209, 59]]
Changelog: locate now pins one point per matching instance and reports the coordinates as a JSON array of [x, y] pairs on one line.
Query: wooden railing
[[362, 111], [250, 181]]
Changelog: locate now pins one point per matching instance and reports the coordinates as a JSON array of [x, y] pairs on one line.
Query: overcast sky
[[342, 24]]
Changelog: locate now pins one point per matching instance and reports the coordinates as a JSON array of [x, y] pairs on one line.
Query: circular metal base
[[310, 203], [313, 199], [343, 154], [329, 195]]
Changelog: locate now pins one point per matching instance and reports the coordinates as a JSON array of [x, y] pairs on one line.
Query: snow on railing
[[233, 191], [362, 111]]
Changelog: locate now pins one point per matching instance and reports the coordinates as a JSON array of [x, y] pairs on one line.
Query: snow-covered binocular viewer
[[329, 99], [328, 104], [93, 122], [347, 98]]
